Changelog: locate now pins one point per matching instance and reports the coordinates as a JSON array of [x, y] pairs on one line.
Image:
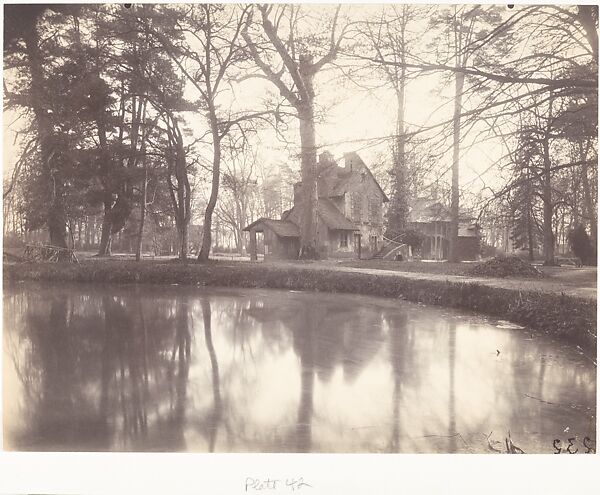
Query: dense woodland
[[140, 126]]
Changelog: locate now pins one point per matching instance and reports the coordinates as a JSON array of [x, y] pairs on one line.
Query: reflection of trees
[[51, 337], [51, 360], [110, 369], [128, 376], [215, 416], [346, 337], [400, 356], [362, 340], [178, 373], [304, 329], [327, 335], [451, 386], [101, 383]]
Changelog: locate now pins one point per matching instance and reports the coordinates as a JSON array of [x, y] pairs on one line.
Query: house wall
[[279, 248], [338, 251], [328, 245], [371, 239], [468, 247], [363, 204], [429, 246], [432, 230]]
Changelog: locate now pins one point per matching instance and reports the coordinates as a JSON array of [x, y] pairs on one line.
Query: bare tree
[[205, 43], [390, 40], [240, 187], [287, 60], [463, 28]]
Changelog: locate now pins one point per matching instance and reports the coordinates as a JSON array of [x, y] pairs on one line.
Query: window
[[355, 206], [343, 239], [373, 243], [374, 209]]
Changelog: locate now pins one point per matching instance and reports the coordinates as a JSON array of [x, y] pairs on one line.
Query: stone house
[[432, 218], [349, 215]]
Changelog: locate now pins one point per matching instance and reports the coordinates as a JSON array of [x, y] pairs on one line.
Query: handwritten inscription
[[573, 446], [271, 484]]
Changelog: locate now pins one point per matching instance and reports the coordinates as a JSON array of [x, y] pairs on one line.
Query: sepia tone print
[[300, 228]]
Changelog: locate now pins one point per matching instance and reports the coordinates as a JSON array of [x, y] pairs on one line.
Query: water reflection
[[400, 353], [452, 434], [217, 404], [182, 369], [304, 345]]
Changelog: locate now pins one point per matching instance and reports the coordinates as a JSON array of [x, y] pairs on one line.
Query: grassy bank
[[556, 314]]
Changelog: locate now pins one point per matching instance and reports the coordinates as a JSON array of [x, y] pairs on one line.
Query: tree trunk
[[548, 207], [239, 236], [56, 218], [79, 233], [210, 207], [87, 232], [183, 241], [589, 204], [239, 223], [183, 196], [179, 193], [401, 173], [106, 238], [56, 221], [140, 239], [398, 208], [106, 168], [454, 207], [587, 14], [309, 195], [5, 215], [530, 236]]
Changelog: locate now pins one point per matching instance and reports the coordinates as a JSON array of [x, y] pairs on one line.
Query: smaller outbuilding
[[432, 218]]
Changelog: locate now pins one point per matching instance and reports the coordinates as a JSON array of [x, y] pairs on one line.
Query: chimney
[[351, 161], [326, 159]]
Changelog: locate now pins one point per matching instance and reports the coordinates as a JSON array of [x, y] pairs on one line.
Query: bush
[[510, 266], [488, 251], [580, 243]]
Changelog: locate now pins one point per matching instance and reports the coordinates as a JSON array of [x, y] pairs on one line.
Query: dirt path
[[576, 282]]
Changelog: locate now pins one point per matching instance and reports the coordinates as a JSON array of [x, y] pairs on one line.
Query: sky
[[352, 118]]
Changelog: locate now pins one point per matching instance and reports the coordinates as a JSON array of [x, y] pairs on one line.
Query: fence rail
[[47, 252]]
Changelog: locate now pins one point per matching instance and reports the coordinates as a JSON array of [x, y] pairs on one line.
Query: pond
[[169, 368]]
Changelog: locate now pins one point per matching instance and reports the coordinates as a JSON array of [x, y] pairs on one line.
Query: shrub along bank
[[556, 314]]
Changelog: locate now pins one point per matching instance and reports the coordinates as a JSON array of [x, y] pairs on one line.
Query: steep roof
[[281, 227], [339, 180], [328, 213], [332, 217], [425, 210]]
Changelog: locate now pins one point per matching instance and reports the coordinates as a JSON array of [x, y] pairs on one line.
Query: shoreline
[[564, 316]]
